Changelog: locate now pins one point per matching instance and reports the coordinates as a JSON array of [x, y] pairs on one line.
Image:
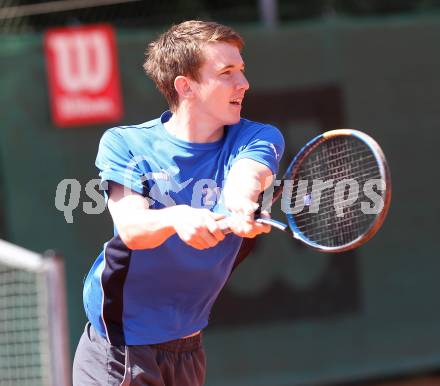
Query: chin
[[232, 120]]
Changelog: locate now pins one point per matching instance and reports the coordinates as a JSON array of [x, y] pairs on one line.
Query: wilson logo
[[83, 75], [83, 61]]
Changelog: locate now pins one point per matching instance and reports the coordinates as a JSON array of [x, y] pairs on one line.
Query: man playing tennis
[[170, 180]]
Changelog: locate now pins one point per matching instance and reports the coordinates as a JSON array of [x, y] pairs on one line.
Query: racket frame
[[294, 167]]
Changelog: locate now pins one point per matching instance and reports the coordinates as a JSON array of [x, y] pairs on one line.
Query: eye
[[227, 72]]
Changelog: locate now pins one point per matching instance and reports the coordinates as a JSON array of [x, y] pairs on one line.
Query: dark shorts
[[179, 362]]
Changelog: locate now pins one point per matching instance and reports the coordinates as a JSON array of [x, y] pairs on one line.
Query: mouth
[[236, 101]]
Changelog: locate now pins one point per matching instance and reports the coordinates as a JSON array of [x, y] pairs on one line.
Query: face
[[219, 93]]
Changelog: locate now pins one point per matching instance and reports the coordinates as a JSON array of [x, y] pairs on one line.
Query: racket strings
[[336, 222], [339, 165], [325, 201], [346, 231], [362, 175]]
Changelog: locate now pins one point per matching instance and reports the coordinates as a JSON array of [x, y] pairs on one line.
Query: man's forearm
[[148, 228], [245, 181]]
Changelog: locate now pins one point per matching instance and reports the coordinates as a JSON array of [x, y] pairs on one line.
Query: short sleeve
[[265, 146], [116, 162]]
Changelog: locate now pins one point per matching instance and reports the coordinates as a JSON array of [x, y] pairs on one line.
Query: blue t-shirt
[[138, 297]]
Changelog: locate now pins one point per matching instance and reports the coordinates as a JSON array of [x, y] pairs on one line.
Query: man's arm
[[142, 228], [246, 180]]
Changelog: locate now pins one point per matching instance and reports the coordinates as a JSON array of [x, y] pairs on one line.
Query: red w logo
[[83, 75]]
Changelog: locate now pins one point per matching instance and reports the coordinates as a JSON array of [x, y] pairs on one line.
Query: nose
[[242, 82]]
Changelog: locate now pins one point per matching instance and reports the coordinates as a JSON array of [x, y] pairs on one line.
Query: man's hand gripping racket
[[335, 193]]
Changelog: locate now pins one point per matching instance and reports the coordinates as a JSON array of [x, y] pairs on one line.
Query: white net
[[33, 341]]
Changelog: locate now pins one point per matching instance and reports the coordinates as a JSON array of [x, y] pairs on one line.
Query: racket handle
[[274, 223], [224, 224]]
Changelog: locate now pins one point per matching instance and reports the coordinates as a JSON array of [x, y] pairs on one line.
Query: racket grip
[[224, 225], [274, 223]]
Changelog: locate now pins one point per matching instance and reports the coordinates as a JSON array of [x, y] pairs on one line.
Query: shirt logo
[[165, 181]]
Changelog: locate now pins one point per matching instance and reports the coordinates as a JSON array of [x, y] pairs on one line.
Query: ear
[[183, 86]]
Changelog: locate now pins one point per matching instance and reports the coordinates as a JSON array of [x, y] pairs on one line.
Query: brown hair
[[178, 51]]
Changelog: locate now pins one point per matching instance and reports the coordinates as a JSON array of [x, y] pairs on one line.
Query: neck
[[192, 127]]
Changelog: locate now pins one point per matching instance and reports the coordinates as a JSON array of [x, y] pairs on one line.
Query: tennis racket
[[335, 193]]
